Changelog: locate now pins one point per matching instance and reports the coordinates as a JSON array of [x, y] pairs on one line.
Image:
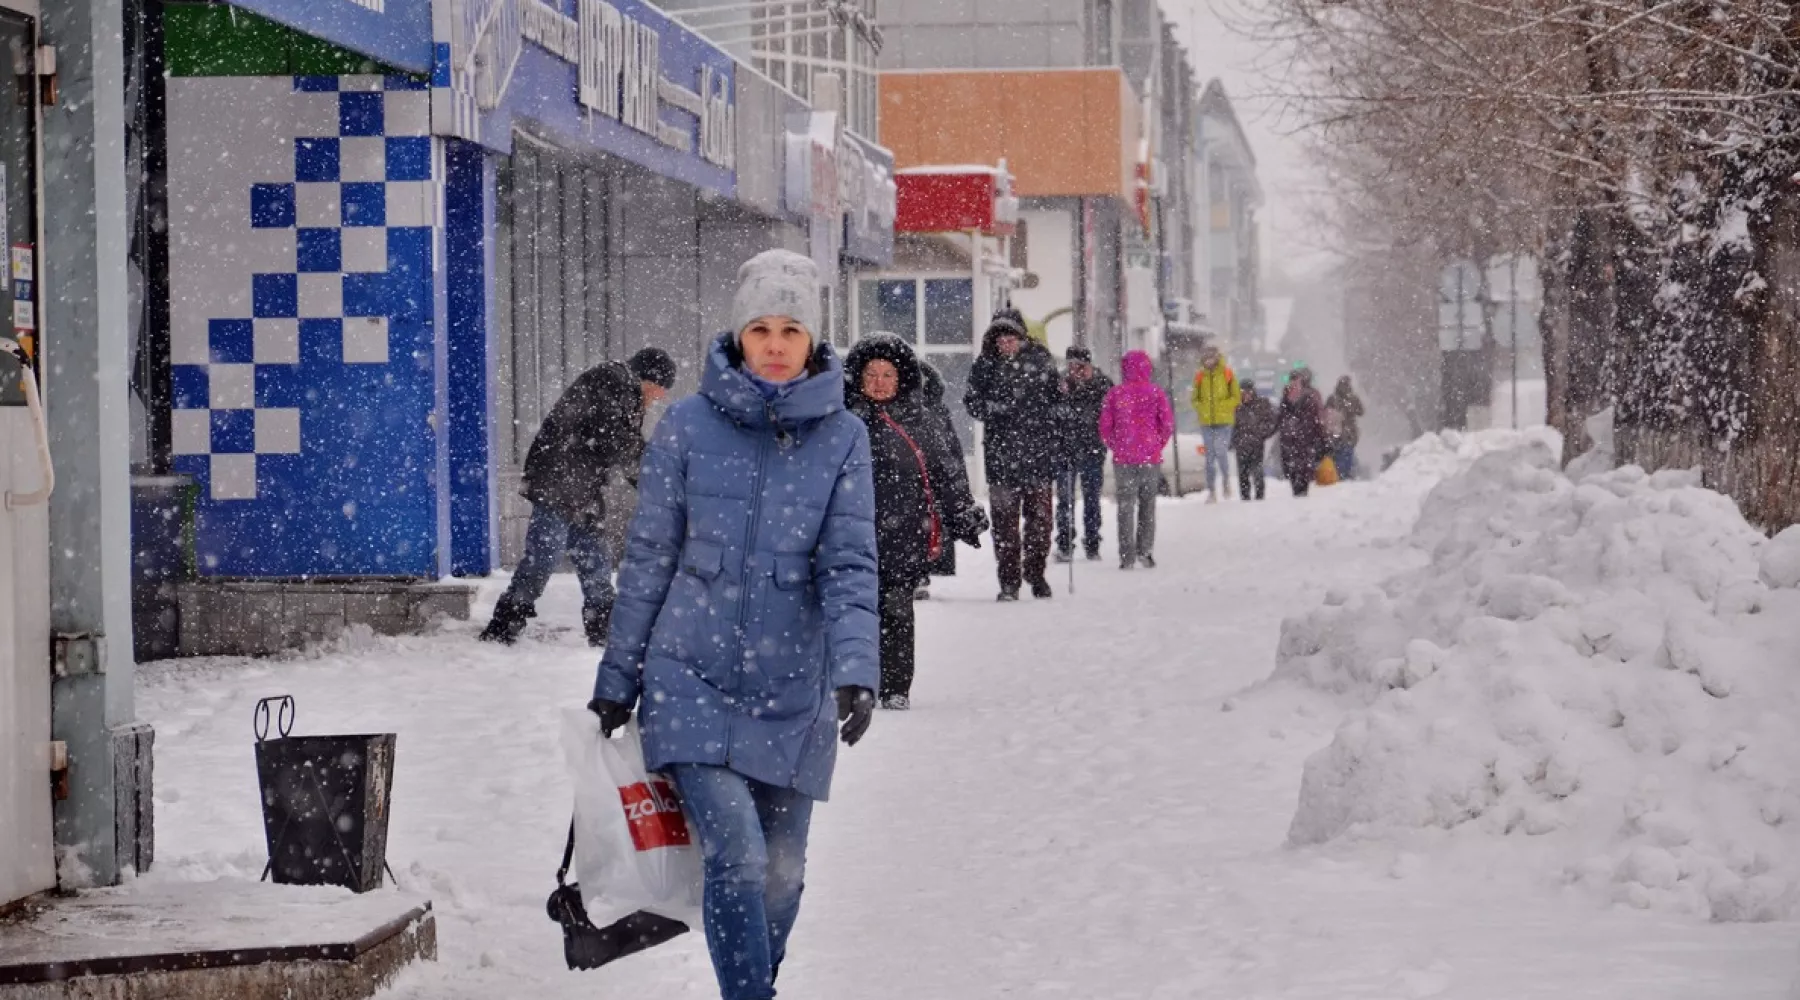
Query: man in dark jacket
[[1084, 389], [596, 426], [1256, 424], [1014, 390]]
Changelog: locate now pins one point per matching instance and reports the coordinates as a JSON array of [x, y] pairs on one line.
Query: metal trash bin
[[325, 802]]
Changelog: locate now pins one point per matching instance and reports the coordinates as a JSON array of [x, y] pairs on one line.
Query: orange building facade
[[1070, 133], [1069, 139]]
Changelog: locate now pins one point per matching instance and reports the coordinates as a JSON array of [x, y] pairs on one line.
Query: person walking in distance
[[1216, 397], [1137, 421], [1302, 431], [1343, 419], [1084, 389], [595, 429], [915, 519], [1256, 424], [1014, 391], [746, 633]]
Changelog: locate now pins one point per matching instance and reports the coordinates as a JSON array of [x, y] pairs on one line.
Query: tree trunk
[[1591, 316]]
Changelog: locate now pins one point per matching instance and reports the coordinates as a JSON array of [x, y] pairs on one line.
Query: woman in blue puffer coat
[[746, 624]]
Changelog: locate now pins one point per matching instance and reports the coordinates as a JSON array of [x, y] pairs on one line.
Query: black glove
[[856, 709], [970, 525], [612, 715]]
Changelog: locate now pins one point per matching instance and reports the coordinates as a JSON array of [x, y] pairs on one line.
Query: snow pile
[[1603, 671], [1433, 458]]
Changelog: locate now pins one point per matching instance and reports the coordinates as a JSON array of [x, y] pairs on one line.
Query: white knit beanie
[[777, 283]]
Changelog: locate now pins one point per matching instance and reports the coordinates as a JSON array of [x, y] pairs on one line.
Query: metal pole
[[1167, 352]]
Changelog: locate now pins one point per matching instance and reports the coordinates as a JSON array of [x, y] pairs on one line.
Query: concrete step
[[212, 941]]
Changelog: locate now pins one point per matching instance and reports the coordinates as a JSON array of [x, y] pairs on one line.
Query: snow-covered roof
[[940, 169]]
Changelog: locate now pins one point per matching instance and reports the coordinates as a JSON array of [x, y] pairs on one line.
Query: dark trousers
[[1251, 481], [546, 539], [1299, 475], [1011, 504], [1085, 479], [898, 633]]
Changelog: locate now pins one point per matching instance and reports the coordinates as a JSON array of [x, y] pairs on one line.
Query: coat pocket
[[702, 559], [793, 572], [788, 630]]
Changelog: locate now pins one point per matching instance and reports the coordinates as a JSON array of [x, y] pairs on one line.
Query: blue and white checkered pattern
[[453, 94], [357, 203]]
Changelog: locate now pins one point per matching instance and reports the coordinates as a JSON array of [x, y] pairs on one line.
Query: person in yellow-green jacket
[[1216, 398]]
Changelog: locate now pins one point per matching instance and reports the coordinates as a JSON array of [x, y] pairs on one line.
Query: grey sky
[[1252, 74]]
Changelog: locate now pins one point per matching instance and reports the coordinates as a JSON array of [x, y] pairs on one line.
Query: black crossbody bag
[[588, 947]]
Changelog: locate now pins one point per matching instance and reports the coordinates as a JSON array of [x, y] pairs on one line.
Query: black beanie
[[1080, 354], [653, 365], [1008, 321]]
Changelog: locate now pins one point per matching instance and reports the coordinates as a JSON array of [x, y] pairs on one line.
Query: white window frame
[[917, 278]]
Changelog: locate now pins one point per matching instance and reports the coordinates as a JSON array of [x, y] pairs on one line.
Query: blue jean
[[546, 539], [1217, 440], [1090, 476], [1344, 457], [753, 837]]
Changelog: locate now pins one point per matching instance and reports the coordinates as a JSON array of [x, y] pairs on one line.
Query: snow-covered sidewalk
[[1070, 811]]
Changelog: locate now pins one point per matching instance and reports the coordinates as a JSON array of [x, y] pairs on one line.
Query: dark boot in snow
[[1040, 588], [598, 623], [1063, 556], [1008, 594], [508, 621], [1148, 561]]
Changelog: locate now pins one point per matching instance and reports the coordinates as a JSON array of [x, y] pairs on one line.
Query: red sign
[[654, 815], [951, 200]]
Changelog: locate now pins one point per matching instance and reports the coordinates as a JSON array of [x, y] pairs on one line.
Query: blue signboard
[[613, 76], [394, 32]]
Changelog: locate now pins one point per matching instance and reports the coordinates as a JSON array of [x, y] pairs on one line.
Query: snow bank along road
[[1068, 812]]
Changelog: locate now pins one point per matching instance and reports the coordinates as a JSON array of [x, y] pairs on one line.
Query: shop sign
[[869, 197], [618, 51], [811, 185], [395, 32]]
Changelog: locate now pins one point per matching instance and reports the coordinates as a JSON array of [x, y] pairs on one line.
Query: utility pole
[[1162, 290]]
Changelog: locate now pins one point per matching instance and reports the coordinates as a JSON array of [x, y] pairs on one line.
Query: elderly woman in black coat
[[918, 512]]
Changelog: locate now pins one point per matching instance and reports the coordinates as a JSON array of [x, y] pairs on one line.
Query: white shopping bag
[[634, 848]]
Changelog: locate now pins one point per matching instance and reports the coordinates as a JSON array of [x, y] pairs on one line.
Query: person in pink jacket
[[1136, 422]]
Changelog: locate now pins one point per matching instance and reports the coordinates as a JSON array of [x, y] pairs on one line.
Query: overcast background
[[1255, 75]]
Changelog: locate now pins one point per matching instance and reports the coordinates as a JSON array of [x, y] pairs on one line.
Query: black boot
[[598, 623], [508, 621]]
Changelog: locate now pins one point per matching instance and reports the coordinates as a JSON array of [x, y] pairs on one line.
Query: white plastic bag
[[634, 848]]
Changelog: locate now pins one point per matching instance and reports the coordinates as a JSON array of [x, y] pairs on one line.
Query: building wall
[[1051, 253], [990, 34], [1065, 133], [307, 359]]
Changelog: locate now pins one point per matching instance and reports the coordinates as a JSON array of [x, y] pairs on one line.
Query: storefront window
[[890, 306], [949, 311]]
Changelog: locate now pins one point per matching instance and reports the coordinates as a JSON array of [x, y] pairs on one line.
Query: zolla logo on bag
[[654, 815]]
